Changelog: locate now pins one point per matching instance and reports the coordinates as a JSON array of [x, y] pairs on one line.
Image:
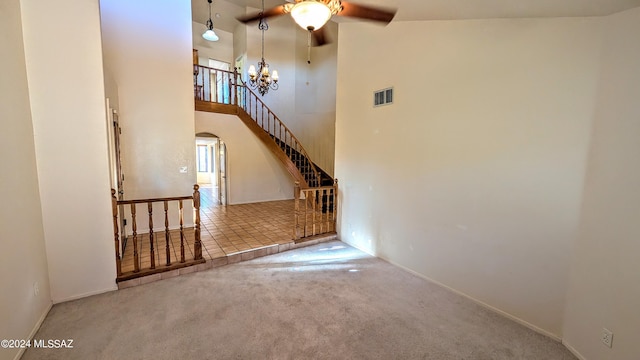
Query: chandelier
[[261, 79]]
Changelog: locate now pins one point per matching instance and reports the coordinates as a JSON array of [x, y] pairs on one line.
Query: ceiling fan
[[311, 15]]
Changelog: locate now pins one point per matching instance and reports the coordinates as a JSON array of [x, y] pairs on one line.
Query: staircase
[[222, 91], [304, 165], [316, 192]]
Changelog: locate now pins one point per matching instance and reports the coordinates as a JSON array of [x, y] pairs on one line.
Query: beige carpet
[[327, 301]]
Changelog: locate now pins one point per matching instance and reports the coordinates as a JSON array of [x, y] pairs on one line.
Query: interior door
[[222, 164]]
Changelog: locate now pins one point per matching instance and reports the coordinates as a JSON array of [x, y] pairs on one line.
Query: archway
[[211, 166]]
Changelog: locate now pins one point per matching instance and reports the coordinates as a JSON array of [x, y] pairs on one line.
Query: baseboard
[[364, 250], [259, 201], [573, 350], [80, 296], [35, 329], [479, 302]]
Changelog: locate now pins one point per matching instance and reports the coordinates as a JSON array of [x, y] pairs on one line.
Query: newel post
[[296, 210], [197, 246], [114, 207]]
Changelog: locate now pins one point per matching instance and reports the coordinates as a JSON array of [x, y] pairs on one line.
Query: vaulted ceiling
[[433, 9]]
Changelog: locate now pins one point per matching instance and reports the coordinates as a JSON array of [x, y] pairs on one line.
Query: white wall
[[473, 177], [605, 280], [64, 70], [111, 89], [221, 50], [253, 172], [23, 261], [315, 105], [148, 50], [279, 53], [240, 46]]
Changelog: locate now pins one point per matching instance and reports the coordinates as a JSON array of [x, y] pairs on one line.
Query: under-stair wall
[[254, 174]]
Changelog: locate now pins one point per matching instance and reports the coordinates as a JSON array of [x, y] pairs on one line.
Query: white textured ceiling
[[434, 9]]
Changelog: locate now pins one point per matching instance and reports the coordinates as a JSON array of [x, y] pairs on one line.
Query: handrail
[[238, 93], [181, 261], [215, 69], [143, 201]]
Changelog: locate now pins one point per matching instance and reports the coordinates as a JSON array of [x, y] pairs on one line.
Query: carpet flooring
[[327, 301]]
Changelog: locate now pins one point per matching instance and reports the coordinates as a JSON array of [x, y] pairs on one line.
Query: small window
[[203, 159], [383, 97]]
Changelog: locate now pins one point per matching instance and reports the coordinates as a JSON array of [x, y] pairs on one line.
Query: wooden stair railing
[[315, 210], [230, 95], [136, 266]]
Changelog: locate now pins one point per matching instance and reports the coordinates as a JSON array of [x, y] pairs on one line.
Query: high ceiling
[[433, 9]]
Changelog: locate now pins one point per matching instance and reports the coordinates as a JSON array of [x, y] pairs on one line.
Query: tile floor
[[225, 231]]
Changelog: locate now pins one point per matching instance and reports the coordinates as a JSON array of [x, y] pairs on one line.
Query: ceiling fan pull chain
[[309, 46]]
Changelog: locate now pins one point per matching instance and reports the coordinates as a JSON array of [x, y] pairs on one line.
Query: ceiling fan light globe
[[311, 14], [210, 35]]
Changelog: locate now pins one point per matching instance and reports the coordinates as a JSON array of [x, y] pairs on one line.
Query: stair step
[[303, 164]]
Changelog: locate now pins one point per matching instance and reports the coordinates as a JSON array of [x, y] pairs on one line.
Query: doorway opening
[[211, 166]]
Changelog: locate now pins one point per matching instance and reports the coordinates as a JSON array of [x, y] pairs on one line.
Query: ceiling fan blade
[[320, 37], [276, 11], [367, 12]]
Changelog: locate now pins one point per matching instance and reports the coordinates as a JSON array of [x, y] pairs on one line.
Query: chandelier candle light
[[261, 79]]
